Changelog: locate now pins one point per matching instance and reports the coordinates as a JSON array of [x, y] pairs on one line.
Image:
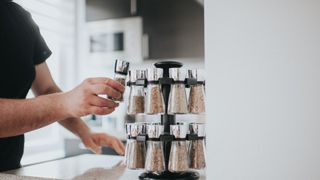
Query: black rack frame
[[166, 121]]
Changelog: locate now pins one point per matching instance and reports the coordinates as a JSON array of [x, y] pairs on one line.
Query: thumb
[[89, 143]]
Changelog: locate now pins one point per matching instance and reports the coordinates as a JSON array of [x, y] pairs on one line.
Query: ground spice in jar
[[136, 105], [178, 100], [155, 157], [178, 160], [136, 158], [197, 154], [155, 104], [197, 99], [123, 82]]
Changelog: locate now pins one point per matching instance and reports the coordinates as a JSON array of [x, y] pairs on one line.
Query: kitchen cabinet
[[175, 28], [107, 9], [172, 29]]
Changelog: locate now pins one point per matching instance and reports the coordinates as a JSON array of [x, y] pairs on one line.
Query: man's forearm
[[20, 116], [75, 125]]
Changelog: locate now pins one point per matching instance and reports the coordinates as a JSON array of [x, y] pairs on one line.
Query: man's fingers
[[107, 81], [105, 89], [92, 146], [122, 147], [100, 110], [118, 146], [103, 102]]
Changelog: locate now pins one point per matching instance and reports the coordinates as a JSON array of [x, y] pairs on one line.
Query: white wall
[[263, 60]]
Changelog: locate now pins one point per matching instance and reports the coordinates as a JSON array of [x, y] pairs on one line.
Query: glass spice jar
[[136, 97], [196, 103], [137, 149], [128, 143], [197, 151], [121, 71], [178, 159], [155, 156], [154, 103], [178, 97]]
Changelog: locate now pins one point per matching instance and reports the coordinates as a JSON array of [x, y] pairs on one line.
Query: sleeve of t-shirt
[[41, 49]]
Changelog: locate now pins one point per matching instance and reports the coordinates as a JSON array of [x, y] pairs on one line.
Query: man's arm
[[20, 116], [44, 84]]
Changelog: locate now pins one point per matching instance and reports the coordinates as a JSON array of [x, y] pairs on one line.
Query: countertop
[[82, 167]]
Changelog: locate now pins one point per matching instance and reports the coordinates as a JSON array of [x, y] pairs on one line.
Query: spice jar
[[154, 103], [128, 143], [178, 159], [121, 71], [155, 157], [137, 149], [178, 98], [136, 97], [197, 153], [197, 94]]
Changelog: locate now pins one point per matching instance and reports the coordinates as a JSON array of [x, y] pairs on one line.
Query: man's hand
[[84, 99], [94, 142], [81, 101]]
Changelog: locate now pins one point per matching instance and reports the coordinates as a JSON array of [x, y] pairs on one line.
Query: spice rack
[[166, 120]]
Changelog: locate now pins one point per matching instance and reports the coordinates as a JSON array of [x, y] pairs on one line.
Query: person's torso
[[17, 71]]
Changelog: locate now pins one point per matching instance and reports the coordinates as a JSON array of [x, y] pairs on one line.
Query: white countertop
[[82, 167], [15, 177]]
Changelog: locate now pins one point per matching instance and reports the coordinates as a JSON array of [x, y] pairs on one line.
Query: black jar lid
[[121, 67]]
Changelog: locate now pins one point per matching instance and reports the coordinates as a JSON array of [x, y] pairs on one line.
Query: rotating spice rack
[[166, 121]]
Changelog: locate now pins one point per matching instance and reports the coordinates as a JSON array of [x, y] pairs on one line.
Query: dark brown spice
[[197, 154], [136, 105], [136, 158], [123, 82]]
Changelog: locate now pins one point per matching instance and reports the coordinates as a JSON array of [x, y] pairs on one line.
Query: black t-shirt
[[21, 49]]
